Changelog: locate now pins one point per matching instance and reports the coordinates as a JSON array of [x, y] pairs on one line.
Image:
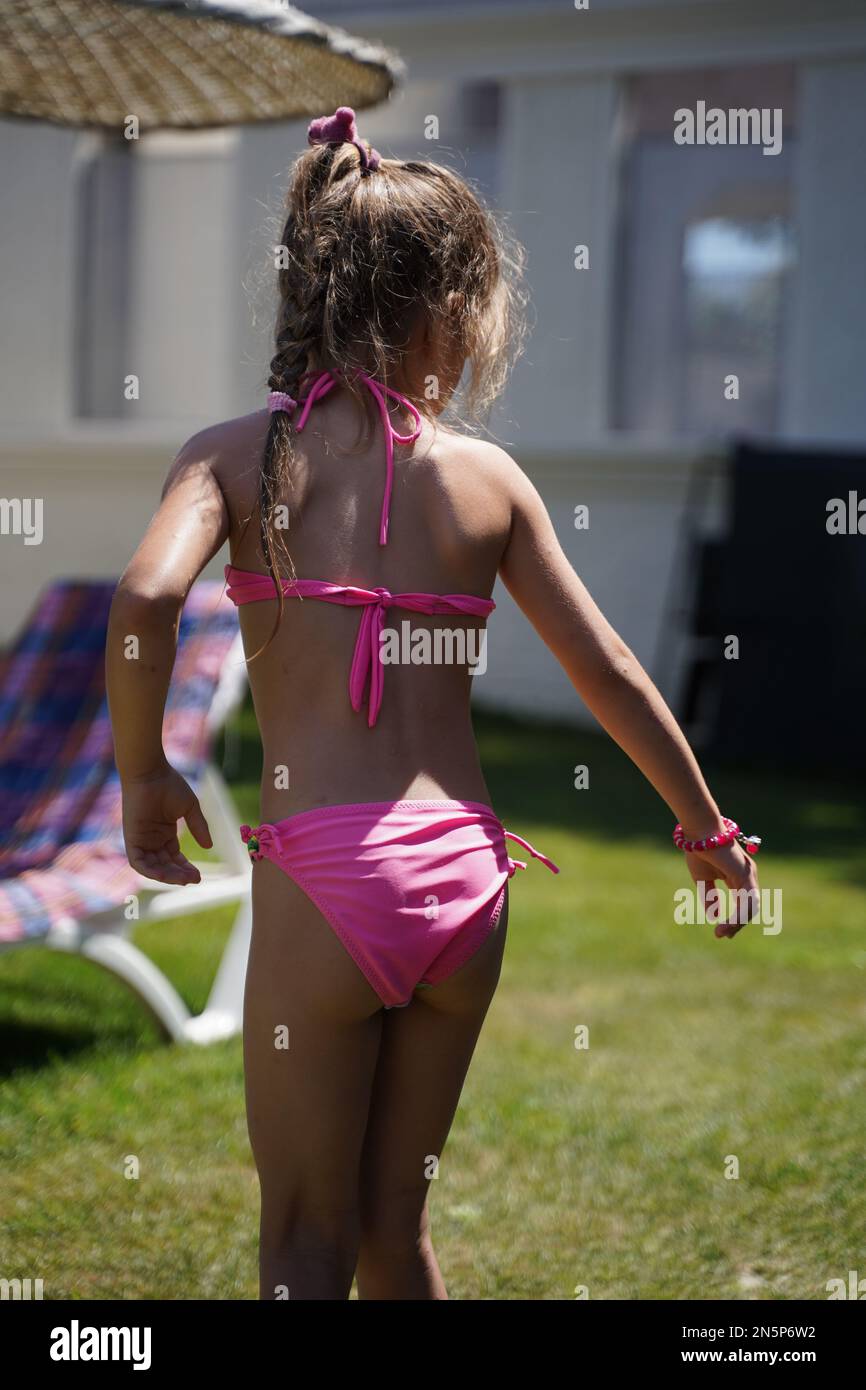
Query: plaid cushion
[[61, 846]]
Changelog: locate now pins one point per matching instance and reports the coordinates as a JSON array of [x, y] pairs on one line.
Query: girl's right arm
[[615, 687]]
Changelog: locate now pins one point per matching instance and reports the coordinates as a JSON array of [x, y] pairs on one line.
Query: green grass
[[602, 1167]]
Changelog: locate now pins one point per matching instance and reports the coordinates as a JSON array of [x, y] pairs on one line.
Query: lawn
[[602, 1167]]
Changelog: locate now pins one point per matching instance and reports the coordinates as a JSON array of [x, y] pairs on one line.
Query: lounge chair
[[64, 879]]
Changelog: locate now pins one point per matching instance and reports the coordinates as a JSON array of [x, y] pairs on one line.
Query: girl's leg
[[312, 1026], [423, 1059]]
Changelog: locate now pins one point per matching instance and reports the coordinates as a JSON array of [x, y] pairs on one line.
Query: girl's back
[[449, 524]]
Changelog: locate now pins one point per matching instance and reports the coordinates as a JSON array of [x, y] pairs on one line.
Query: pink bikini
[[411, 888]]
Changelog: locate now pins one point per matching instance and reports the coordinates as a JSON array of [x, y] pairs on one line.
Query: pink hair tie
[[280, 400], [340, 129]]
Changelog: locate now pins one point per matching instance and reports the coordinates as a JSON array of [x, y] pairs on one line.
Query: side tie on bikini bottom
[[515, 864]]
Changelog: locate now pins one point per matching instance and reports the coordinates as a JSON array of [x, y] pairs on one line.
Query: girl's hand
[[152, 807], [737, 870]]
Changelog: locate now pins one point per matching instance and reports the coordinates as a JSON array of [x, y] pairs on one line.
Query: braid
[[299, 332]]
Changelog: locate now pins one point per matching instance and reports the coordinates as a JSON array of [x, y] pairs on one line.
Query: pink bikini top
[[246, 586]]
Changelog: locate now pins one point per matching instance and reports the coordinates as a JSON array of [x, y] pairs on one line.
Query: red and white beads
[[732, 832]]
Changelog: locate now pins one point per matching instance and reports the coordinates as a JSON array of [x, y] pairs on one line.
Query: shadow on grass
[[29, 1047], [25, 1047], [54, 1007]]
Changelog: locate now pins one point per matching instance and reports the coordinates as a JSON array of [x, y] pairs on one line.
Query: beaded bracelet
[[732, 832]]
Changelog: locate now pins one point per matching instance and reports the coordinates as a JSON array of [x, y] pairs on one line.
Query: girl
[[380, 885]]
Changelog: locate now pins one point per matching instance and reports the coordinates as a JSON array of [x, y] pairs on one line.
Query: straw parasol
[[180, 63]]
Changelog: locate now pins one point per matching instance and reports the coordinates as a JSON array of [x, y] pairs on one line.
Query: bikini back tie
[[244, 586]]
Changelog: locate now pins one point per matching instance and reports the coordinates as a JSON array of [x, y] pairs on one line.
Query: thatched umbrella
[[180, 63]]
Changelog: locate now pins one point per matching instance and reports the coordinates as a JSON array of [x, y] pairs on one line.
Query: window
[[706, 255], [734, 276]]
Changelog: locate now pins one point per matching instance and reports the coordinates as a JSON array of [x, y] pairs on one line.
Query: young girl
[[380, 883]]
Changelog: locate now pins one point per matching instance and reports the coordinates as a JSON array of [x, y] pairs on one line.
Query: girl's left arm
[[189, 527]]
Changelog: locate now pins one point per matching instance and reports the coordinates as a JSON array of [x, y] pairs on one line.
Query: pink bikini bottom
[[411, 888]]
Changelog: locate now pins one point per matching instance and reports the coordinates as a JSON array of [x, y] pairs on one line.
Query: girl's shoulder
[[231, 450], [465, 487], [488, 461], [222, 461]]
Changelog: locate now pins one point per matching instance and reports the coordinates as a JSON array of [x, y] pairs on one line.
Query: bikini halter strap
[[325, 382]]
